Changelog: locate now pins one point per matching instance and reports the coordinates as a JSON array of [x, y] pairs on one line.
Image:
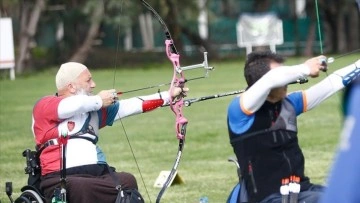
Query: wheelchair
[[238, 193], [30, 193]]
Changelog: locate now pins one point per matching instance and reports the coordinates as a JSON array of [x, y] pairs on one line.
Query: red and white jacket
[[53, 116]]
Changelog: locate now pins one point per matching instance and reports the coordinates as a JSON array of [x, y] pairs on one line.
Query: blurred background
[[107, 32]]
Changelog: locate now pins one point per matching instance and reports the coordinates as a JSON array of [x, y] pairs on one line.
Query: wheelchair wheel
[[29, 196]]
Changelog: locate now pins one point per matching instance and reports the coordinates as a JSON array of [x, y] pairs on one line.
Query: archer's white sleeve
[[70, 106], [330, 85], [133, 106], [253, 98]]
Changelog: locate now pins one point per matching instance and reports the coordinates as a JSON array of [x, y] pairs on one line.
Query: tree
[[96, 10], [311, 12], [339, 24], [30, 15], [189, 13]]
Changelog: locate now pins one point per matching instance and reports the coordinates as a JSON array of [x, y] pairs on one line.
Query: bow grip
[[324, 64]]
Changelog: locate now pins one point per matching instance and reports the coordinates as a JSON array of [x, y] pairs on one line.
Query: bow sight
[[204, 65], [179, 70]]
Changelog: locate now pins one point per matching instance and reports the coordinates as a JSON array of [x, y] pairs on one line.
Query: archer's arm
[[252, 99], [331, 84], [137, 105], [78, 104], [142, 104]]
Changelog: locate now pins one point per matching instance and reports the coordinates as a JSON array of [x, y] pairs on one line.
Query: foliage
[[121, 13], [8, 3], [204, 165]]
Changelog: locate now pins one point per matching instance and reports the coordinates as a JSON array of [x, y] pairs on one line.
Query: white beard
[[82, 92]]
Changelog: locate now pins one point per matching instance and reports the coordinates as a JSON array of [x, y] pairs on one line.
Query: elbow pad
[[349, 73], [351, 77], [148, 105]]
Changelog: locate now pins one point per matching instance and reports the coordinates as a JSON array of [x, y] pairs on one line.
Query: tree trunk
[[226, 8], [342, 19], [341, 41], [171, 20], [310, 12], [203, 44], [310, 40], [261, 5], [28, 28], [294, 20], [331, 34], [203, 25], [354, 27], [82, 53], [146, 30]]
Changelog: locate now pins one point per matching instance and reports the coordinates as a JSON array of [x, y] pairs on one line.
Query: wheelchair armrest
[[238, 170], [232, 159]]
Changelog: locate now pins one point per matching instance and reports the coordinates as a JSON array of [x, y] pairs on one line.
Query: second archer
[[262, 124]]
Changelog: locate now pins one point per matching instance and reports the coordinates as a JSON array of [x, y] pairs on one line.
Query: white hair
[[67, 73]]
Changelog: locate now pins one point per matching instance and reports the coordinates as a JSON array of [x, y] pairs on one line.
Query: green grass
[[204, 166]]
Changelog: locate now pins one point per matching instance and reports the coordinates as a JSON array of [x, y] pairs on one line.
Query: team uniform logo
[[70, 125]]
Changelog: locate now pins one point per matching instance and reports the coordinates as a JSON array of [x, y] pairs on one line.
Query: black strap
[[94, 141], [247, 135], [115, 179], [125, 195], [39, 148], [86, 129]]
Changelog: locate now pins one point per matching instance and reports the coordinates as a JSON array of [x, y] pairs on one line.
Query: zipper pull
[[251, 173]]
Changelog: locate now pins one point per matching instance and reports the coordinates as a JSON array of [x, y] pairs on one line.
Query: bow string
[[177, 103]]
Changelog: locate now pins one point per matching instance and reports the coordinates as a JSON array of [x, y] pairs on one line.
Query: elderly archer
[[80, 114]]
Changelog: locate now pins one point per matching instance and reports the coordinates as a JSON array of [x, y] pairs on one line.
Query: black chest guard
[[269, 150]]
